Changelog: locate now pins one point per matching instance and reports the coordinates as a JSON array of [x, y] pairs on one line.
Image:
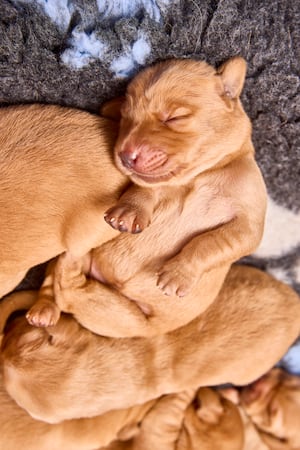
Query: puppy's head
[[180, 118], [38, 363], [211, 422], [273, 403]]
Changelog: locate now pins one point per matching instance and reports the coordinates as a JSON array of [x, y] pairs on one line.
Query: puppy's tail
[[17, 301]]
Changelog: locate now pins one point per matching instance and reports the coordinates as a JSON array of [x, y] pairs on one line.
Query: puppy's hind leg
[[45, 312]]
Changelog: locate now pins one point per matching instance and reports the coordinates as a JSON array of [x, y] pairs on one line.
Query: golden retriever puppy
[[20, 430], [81, 374], [273, 403], [185, 142], [57, 178], [183, 126]]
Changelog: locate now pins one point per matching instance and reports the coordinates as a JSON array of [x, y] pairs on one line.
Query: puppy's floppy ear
[[232, 74], [112, 108]]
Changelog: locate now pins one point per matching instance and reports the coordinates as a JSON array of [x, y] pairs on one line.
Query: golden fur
[[273, 404], [209, 422], [81, 374], [206, 204], [252, 438], [57, 178], [19, 430]]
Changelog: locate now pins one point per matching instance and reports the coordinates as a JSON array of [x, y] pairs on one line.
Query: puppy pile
[[145, 303]]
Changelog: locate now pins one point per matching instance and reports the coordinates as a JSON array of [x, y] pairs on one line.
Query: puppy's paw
[[125, 217], [173, 280], [43, 314]]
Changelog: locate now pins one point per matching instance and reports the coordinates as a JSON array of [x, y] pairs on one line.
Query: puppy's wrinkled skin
[[185, 142], [57, 178], [273, 403], [83, 374]]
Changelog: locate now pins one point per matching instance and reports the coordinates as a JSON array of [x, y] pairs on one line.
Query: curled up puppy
[[79, 371], [198, 200], [20, 430]]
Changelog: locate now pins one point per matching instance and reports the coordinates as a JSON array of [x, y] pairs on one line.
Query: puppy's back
[[55, 163]]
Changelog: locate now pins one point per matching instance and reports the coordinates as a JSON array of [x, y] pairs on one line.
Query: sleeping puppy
[[185, 142], [273, 403], [19, 430], [79, 372], [183, 126], [57, 178], [209, 422]]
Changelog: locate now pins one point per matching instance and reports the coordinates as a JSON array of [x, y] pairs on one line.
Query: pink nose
[[128, 158]]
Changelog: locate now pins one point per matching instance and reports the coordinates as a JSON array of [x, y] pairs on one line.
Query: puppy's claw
[[172, 281], [137, 229], [126, 218]]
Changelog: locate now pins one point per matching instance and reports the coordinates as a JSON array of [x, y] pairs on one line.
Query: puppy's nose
[[128, 158]]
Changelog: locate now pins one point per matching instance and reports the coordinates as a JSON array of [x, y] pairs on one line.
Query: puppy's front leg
[[45, 312], [134, 210], [222, 245]]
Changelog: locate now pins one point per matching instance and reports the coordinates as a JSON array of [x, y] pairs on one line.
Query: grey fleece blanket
[[82, 52]]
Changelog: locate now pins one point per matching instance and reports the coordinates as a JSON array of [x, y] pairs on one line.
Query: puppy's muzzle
[[143, 160]]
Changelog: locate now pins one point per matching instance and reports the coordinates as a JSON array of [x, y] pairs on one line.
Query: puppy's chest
[[194, 210], [180, 215]]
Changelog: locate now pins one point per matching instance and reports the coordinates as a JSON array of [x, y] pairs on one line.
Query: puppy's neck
[[245, 150]]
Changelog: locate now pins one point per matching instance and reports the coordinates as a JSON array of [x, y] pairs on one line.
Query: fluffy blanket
[[82, 52]]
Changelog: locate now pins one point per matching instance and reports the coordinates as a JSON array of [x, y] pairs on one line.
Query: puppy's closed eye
[[175, 115]]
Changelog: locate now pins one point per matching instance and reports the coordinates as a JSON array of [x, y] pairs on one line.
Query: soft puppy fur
[[79, 372], [185, 142], [273, 404], [19, 430], [183, 125], [57, 179]]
